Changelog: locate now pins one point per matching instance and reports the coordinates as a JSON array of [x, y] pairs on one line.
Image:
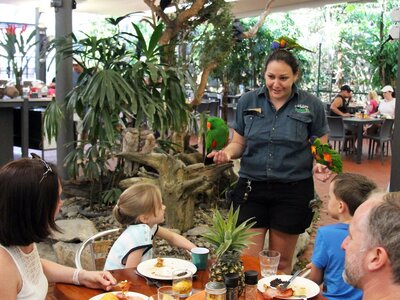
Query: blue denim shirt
[[277, 142]]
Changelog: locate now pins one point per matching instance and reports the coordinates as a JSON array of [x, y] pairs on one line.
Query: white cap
[[387, 88]]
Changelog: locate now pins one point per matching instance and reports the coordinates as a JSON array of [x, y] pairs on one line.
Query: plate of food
[[113, 296], [161, 268], [300, 288]]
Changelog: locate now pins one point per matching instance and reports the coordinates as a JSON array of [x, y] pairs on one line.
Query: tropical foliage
[[123, 84]]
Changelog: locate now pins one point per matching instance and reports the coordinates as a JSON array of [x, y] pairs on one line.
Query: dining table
[[139, 284], [359, 124]]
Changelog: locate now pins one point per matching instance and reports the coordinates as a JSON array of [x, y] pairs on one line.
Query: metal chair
[[98, 246], [337, 133], [382, 138]]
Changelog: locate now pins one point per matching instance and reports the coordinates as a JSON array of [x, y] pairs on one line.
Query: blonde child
[[140, 209], [346, 192]]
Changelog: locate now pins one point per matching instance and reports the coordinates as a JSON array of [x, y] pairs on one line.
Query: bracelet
[[75, 277]]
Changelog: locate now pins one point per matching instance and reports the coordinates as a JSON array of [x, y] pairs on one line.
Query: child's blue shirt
[[329, 257]]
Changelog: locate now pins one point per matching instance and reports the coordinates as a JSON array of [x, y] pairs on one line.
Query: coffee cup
[[200, 257]]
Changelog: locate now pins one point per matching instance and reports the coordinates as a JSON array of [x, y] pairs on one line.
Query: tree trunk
[[180, 184]]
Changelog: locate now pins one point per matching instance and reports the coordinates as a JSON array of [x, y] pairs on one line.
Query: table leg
[[6, 135], [25, 128], [359, 143]]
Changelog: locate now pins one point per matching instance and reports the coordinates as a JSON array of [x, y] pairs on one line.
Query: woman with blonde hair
[[372, 102], [141, 210]]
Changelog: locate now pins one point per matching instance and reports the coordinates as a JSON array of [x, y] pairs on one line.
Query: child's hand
[[308, 266]]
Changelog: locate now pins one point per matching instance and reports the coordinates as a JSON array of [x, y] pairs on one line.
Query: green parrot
[[285, 42], [325, 155], [217, 135]]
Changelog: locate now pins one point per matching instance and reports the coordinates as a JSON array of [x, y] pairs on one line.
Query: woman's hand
[[97, 279], [220, 157], [321, 172]]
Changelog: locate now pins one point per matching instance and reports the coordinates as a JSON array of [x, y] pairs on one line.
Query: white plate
[[312, 289], [134, 296], [148, 268]]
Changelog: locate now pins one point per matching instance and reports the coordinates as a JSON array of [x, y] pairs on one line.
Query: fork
[[283, 286], [148, 280]]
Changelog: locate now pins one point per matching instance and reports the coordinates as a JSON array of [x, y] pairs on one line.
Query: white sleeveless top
[[34, 282], [138, 236]]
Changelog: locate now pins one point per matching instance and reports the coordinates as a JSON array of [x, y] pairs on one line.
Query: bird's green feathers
[[217, 134], [327, 156]]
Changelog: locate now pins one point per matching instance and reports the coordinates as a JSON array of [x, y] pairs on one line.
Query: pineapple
[[229, 240]]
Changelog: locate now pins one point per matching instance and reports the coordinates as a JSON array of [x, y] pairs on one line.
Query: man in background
[[339, 105]]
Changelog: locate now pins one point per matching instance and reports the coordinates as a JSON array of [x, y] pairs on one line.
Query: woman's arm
[[92, 279], [10, 279], [174, 239], [134, 258], [234, 150]]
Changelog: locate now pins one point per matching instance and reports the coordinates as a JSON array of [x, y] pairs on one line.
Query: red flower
[[11, 29]]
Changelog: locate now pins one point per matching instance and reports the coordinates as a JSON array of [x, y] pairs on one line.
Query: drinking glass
[[269, 261], [182, 282], [167, 293]]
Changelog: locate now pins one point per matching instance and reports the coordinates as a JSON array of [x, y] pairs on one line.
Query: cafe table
[[64, 291], [359, 124]]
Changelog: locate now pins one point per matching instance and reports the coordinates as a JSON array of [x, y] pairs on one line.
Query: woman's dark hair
[[29, 193], [283, 55]]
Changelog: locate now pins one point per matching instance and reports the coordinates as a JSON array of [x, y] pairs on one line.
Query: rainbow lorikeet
[[217, 135], [327, 156], [285, 42]]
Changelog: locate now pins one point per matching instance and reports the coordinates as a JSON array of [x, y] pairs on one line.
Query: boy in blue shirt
[[346, 192]]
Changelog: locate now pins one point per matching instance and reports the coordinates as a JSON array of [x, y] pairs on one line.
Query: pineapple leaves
[[226, 235]]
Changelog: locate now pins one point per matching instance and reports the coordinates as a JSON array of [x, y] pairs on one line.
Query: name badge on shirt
[[301, 108], [254, 112]]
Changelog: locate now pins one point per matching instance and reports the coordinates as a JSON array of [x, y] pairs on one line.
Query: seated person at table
[[372, 102], [372, 248], [386, 109], [29, 201], [141, 209], [387, 105], [340, 108], [339, 105], [346, 192]]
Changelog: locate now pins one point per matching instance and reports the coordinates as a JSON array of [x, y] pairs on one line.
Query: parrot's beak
[[208, 125]]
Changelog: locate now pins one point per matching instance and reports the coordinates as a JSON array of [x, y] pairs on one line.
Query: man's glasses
[[45, 164]]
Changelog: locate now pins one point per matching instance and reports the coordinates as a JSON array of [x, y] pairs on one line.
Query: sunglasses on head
[[45, 164]]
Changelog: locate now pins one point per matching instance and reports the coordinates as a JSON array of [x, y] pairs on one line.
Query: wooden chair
[[98, 246]]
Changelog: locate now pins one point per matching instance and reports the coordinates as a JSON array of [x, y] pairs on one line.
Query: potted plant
[[16, 49]]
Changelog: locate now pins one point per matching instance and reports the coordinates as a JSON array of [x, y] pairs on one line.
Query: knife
[[149, 281]]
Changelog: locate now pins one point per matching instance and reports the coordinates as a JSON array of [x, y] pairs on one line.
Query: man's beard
[[353, 271]]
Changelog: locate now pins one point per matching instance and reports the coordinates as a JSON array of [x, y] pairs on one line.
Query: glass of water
[[269, 261]]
